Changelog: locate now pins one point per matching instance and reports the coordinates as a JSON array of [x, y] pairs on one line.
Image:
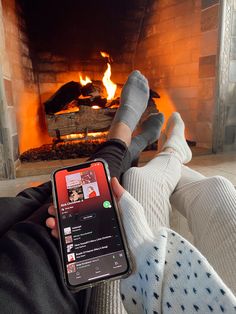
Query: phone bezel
[[121, 228]]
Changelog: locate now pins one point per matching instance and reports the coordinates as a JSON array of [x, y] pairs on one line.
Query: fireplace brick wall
[[177, 51], [55, 70], [17, 84]]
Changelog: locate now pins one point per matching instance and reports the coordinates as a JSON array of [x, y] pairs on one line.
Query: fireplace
[[185, 48]]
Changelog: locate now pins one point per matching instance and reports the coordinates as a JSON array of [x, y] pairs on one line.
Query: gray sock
[[133, 100], [151, 130]]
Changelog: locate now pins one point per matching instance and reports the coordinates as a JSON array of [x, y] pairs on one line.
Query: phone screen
[[92, 244]]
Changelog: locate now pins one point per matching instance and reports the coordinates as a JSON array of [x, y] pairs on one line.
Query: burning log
[[65, 94], [92, 101], [87, 118], [154, 94], [90, 90]]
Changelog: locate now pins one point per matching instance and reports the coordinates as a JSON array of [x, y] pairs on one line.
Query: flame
[[105, 54], [95, 107], [84, 82], [109, 85], [91, 135]]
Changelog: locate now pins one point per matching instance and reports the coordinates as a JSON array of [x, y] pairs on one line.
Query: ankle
[[120, 131], [168, 150]]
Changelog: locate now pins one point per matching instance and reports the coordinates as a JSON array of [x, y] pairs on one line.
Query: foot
[[151, 129], [175, 138], [133, 101]]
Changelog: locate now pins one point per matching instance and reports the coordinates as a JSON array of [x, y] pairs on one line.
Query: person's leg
[[134, 99], [105, 298], [31, 277], [153, 184], [16, 209], [32, 243], [209, 204], [35, 249], [150, 132]]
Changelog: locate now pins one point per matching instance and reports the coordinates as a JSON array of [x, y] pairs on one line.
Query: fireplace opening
[[48, 44]]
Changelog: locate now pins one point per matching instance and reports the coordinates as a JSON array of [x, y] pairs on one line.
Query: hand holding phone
[[117, 190], [92, 242]]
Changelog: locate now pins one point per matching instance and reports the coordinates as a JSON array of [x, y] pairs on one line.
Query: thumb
[[134, 221], [117, 189]]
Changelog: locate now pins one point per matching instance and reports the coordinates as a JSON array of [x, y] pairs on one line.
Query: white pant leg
[[209, 204], [105, 299], [152, 186]]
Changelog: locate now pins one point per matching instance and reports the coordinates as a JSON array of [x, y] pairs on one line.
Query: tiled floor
[[209, 165]]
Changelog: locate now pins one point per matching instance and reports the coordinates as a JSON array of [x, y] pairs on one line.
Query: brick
[[232, 71], [231, 115], [12, 120], [234, 24], [46, 88], [56, 58], [184, 20], [189, 115], [8, 92], [64, 77], [204, 132], [207, 66], [190, 131], [179, 81], [210, 19], [182, 44], [15, 147], [181, 33], [209, 43], [230, 135], [195, 54], [177, 9], [45, 56], [233, 48], [183, 92], [205, 110], [53, 66], [231, 93], [206, 88], [181, 56], [184, 69], [47, 77]]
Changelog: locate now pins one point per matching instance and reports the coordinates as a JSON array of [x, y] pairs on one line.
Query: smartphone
[[92, 239]]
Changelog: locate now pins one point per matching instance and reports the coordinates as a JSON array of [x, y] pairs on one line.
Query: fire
[[109, 85], [84, 82], [105, 55], [90, 135]]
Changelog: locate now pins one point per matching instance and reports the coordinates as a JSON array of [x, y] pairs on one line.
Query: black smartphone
[[92, 240]]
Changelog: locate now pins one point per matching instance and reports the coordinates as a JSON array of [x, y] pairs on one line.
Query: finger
[[54, 233], [117, 188], [52, 210], [51, 223]]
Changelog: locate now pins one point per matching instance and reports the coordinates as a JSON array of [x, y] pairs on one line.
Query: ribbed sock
[[134, 99], [176, 139], [151, 129]]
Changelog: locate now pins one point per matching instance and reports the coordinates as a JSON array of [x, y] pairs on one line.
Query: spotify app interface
[[92, 245]]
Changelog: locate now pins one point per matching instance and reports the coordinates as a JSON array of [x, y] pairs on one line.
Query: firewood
[[95, 120], [64, 95], [90, 90], [154, 94]]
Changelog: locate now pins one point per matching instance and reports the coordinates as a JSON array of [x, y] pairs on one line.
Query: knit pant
[[209, 204]]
